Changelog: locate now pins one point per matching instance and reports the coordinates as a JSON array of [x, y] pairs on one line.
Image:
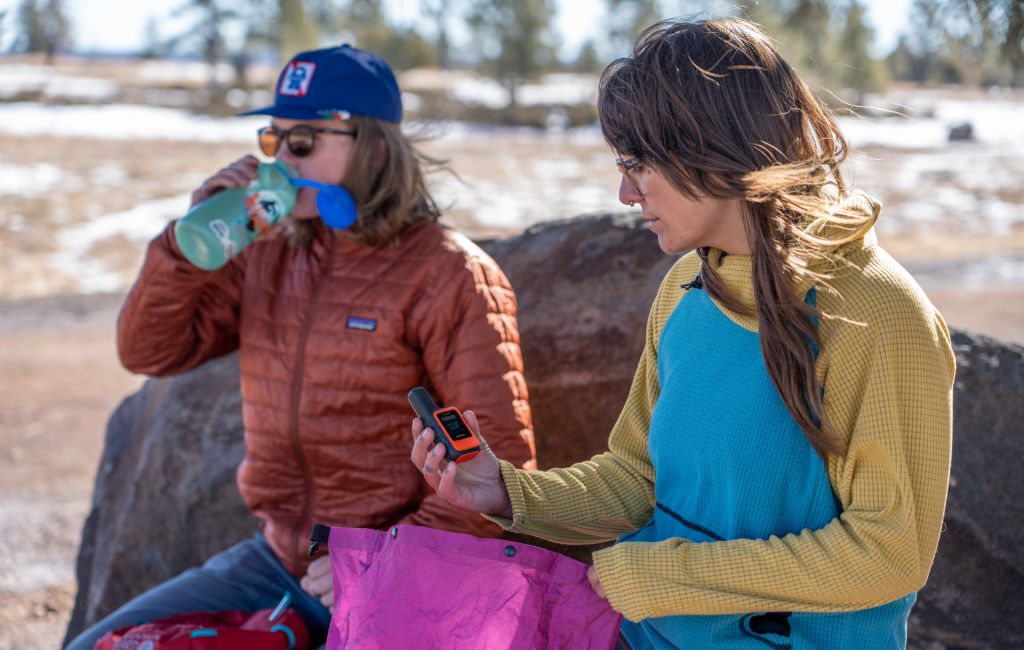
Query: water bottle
[[218, 228]]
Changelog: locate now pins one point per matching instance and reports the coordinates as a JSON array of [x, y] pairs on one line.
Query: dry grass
[[60, 385]]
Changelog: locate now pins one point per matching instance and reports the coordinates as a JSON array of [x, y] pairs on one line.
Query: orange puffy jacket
[[331, 338]]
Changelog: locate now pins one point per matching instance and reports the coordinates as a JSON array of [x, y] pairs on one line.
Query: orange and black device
[[450, 428]]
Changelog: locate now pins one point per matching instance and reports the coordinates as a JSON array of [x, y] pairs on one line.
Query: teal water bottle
[[221, 226]]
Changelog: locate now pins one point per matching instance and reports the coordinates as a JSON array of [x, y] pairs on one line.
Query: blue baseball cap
[[335, 83]]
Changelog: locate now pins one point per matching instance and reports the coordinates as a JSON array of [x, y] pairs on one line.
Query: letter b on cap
[[297, 76]]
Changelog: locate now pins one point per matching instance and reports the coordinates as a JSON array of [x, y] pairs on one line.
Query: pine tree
[[368, 25], [153, 45], [438, 12], [587, 60], [515, 38], [30, 27], [297, 31], [43, 26], [207, 35], [857, 71], [627, 19], [999, 23], [56, 28], [809, 21]]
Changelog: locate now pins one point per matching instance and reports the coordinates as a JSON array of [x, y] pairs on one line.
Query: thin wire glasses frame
[[627, 166], [300, 139]]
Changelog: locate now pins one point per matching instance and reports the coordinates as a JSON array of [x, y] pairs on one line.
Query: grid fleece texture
[[886, 365]]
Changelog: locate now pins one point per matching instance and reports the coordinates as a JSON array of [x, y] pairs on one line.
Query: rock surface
[[584, 287], [165, 496]]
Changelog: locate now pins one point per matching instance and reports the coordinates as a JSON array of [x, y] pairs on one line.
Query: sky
[[119, 26]]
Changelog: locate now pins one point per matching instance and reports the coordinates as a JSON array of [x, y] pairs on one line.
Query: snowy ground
[[952, 200]]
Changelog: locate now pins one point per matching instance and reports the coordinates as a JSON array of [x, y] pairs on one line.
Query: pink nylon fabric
[[415, 587]]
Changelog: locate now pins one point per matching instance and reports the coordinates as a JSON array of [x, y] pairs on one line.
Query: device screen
[[452, 423]]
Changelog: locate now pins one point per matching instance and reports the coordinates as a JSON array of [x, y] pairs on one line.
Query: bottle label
[[223, 233], [264, 209]]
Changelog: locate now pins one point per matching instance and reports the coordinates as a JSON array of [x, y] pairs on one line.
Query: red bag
[[231, 630]]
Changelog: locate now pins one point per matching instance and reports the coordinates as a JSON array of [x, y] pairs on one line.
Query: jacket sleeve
[[599, 499], [469, 338], [888, 391], [612, 493], [176, 315]]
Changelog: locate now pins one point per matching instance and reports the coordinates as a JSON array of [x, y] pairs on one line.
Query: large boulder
[[165, 496], [975, 594], [584, 288]]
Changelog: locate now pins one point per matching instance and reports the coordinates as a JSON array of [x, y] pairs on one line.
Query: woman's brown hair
[[386, 178], [712, 107]]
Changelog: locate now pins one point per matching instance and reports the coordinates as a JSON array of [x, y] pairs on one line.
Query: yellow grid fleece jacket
[[886, 365]]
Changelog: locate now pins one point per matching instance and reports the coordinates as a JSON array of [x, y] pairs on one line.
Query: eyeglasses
[[300, 139], [627, 166]]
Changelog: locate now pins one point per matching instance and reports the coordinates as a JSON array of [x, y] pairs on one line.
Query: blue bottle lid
[[335, 203]]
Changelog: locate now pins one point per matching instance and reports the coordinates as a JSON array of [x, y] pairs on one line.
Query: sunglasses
[[300, 139]]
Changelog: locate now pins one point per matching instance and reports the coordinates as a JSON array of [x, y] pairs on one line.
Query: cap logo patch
[[335, 115], [296, 78]]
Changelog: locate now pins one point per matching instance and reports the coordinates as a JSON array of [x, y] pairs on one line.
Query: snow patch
[[124, 122], [139, 225], [31, 180], [21, 79]]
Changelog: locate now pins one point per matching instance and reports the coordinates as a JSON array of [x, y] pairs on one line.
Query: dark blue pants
[[247, 576]]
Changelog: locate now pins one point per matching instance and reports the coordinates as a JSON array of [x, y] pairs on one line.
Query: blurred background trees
[[977, 42], [42, 26], [516, 43]]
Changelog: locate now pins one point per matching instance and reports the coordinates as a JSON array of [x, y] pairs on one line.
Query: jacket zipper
[[300, 366]]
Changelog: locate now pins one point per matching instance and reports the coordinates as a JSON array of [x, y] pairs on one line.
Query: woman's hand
[[475, 484], [319, 581], [595, 582], [238, 174]]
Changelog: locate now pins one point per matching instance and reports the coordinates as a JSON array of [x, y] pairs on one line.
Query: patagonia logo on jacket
[[365, 324]]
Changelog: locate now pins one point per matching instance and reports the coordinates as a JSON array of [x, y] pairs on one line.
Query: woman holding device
[[777, 476]]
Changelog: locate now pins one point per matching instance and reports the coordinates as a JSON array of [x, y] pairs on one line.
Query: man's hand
[[318, 581]]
